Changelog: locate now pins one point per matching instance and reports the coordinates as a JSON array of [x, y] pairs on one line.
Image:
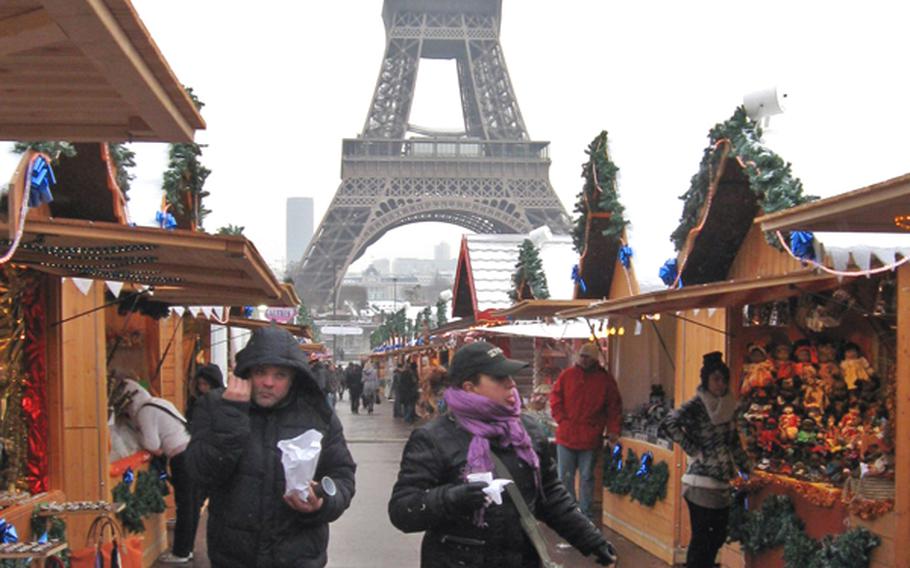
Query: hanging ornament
[[878, 308], [774, 318], [647, 460], [801, 243], [668, 272], [625, 256], [579, 281], [617, 456], [40, 178]]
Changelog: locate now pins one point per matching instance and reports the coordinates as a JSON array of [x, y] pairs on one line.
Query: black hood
[[211, 374], [274, 346]]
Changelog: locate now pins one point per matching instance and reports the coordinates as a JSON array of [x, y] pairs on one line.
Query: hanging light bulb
[[621, 331], [612, 331]]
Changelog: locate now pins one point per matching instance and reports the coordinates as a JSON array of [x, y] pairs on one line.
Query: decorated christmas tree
[[184, 180], [599, 194], [528, 280]]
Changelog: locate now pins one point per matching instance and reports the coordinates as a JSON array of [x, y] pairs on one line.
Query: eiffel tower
[[489, 178]]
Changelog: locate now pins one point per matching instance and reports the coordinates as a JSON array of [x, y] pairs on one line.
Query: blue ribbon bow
[[668, 272], [801, 245], [248, 311], [647, 461], [40, 179], [8, 532], [128, 476], [162, 475], [165, 220], [617, 456], [625, 256], [579, 281]]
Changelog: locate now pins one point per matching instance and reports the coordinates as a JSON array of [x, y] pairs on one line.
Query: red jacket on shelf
[[584, 403]]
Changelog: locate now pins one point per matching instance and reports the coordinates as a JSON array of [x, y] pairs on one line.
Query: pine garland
[[647, 489], [528, 278], [776, 525], [53, 149], [184, 180], [441, 318], [770, 178], [599, 195], [124, 159], [147, 499]]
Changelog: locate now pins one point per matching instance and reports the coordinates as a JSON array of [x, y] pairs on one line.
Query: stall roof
[[247, 323], [869, 209], [87, 70], [538, 309], [185, 268], [571, 329], [714, 295]]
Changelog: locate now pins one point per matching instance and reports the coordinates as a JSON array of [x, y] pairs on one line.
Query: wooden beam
[[28, 31], [93, 28], [902, 434]]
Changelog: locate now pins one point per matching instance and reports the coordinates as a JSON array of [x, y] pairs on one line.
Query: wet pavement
[[364, 538]]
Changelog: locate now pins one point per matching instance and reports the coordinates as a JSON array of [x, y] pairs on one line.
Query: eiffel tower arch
[[489, 178]]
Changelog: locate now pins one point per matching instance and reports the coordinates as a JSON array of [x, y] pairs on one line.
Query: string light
[[902, 222]]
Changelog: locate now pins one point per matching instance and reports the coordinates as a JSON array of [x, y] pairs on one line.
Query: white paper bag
[[299, 457], [494, 487]]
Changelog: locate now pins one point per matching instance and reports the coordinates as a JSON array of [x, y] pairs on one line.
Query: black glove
[[465, 497], [605, 554]]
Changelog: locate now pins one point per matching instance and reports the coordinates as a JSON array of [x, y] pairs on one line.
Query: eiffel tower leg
[[391, 105], [495, 98]]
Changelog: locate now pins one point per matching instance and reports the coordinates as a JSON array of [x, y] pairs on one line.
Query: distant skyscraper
[[442, 252], [299, 227]]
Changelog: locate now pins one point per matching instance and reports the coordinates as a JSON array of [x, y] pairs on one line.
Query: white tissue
[[299, 457], [494, 487]]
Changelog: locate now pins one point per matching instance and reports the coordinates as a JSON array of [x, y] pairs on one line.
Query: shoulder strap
[[179, 418], [528, 522]]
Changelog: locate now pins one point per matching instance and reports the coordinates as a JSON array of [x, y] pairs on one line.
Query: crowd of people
[[223, 451]]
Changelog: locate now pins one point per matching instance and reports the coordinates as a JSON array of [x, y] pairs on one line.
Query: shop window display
[[643, 423]]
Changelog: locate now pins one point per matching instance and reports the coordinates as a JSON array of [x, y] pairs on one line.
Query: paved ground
[[364, 537]]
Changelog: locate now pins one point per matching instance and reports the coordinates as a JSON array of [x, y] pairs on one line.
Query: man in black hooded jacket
[[234, 454]]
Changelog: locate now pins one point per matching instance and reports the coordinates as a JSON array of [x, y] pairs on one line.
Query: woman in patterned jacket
[[705, 427]]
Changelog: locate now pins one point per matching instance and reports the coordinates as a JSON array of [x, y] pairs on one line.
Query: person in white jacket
[[163, 432]]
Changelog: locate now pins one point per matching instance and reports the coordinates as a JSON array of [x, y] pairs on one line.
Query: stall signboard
[[341, 330], [281, 315]]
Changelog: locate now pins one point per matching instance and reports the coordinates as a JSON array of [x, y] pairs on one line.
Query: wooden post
[[902, 454]]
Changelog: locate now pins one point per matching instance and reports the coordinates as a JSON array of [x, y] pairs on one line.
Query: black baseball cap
[[482, 357]]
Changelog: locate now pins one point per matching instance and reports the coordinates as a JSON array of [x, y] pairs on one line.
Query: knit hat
[[590, 350], [211, 374]]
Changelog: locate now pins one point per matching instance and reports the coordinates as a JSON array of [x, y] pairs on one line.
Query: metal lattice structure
[[490, 178]]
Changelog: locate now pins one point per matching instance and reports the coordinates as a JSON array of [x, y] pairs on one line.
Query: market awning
[[185, 268], [539, 309], [572, 329], [873, 209], [715, 295], [87, 70]]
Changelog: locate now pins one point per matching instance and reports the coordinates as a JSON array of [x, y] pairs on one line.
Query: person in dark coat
[[409, 392], [233, 454], [432, 494], [207, 378], [353, 377]]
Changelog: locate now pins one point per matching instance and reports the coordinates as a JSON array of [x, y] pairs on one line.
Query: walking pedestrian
[[233, 453], [353, 376], [705, 427], [584, 403], [485, 432], [370, 386], [394, 394], [409, 392], [333, 385]]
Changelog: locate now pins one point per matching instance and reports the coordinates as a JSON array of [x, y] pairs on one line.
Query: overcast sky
[[285, 81]]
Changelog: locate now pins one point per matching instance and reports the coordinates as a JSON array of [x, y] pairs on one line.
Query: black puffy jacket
[[234, 455], [434, 459]]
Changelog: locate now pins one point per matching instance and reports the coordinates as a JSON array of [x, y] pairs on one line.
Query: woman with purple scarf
[[462, 525]]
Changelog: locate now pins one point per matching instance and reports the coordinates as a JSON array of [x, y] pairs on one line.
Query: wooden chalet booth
[[741, 292]]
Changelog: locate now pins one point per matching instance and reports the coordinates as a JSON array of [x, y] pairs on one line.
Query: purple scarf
[[487, 420]]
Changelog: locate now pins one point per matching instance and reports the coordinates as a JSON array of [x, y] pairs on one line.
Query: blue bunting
[[579, 281], [625, 256], [165, 220], [668, 272], [801, 243], [128, 476], [8, 532], [647, 461], [40, 179], [617, 456]]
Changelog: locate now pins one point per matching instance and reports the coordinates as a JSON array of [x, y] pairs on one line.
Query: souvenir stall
[[794, 330]]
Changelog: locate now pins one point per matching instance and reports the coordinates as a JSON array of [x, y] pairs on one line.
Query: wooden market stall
[[744, 297]]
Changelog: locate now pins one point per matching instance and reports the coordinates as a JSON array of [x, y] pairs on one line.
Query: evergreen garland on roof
[[184, 180], [598, 195], [53, 149], [528, 278], [124, 160], [770, 177]]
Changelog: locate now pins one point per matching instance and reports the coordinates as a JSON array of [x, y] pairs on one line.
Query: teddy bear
[[855, 367]]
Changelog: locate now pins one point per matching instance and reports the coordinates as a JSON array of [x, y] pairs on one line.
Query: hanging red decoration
[[34, 397]]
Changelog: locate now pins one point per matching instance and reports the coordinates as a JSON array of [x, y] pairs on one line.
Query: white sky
[[285, 81]]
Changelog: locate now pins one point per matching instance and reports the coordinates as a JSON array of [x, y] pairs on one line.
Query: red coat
[[584, 403]]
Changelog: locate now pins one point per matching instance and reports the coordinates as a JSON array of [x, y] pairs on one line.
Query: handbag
[[100, 554], [528, 522]]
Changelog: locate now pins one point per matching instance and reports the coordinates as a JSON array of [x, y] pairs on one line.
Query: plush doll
[[855, 367], [788, 391], [807, 435], [783, 366], [828, 369], [788, 424], [813, 392], [805, 359], [769, 436], [758, 373], [850, 426], [838, 397], [833, 442]]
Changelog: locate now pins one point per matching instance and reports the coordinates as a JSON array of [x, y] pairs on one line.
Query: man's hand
[[605, 555], [310, 505], [237, 389]]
